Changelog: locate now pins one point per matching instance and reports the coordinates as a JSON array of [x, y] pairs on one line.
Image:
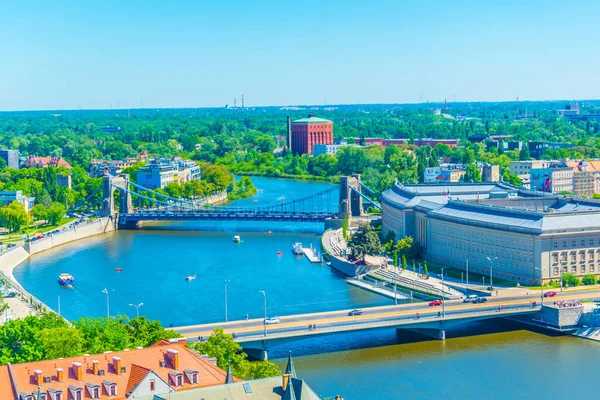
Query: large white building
[[160, 172], [528, 236]]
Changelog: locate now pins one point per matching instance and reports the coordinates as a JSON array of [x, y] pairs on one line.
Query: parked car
[[355, 312], [480, 300], [11, 245], [435, 303], [271, 320], [39, 236], [550, 294], [470, 298]]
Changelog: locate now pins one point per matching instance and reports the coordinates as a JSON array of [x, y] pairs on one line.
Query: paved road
[[401, 313]]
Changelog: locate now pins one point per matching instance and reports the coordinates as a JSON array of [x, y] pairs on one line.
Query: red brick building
[[307, 132]]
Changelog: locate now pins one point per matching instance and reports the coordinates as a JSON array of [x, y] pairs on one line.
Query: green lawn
[[33, 230]]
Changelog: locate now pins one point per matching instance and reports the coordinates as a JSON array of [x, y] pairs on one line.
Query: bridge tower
[[108, 191], [351, 203]]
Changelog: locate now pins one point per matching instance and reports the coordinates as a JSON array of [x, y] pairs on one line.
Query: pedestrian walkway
[[413, 281]]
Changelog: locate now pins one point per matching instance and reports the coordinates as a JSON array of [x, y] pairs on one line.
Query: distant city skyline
[[149, 54]]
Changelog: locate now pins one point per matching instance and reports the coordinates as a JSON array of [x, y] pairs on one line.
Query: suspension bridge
[[331, 203]]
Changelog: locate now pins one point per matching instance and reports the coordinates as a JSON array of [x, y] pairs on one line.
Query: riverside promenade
[[24, 303]]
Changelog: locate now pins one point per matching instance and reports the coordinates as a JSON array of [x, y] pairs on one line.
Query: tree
[[405, 246], [404, 263], [264, 369], [570, 280], [425, 270], [524, 154], [40, 212], [588, 279], [345, 228], [395, 259], [225, 350], [14, 217], [2, 164], [365, 241], [55, 213], [473, 174], [60, 342]]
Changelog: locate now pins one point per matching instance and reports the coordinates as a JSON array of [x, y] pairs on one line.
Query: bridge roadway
[[251, 332], [225, 215]]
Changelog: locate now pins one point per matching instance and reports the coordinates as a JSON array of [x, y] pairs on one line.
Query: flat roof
[[311, 120]]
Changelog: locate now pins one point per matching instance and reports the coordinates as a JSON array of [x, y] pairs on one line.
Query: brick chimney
[[173, 356], [95, 366], [37, 376], [117, 364], [59, 374], [286, 381], [77, 369], [183, 342]]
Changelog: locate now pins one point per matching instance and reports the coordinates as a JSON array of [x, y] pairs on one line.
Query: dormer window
[[110, 388], [176, 378], [40, 395], [26, 396], [76, 392], [93, 390], [55, 394], [191, 375]]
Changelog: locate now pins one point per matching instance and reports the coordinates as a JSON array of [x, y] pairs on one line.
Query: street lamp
[[107, 302], [265, 321], [491, 260], [225, 283], [443, 298], [137, 308], [467, 281]]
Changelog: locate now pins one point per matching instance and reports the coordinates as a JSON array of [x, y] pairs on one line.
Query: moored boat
[[237, 239], [297, 248], [191, 277], [66, 280]]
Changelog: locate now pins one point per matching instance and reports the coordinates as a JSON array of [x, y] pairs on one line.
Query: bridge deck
[[243, 215]]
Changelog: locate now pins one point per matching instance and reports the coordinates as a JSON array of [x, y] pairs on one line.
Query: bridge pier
[[257, 354], [350, 203], [437, 334]]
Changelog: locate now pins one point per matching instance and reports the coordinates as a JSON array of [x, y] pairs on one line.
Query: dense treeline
[[243, 141]]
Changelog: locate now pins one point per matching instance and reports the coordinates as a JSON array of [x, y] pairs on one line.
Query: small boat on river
[[237, 239], [191, 277], [297, 249], [66, 280]]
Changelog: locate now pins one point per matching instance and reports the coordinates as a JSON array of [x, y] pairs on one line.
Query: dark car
[[550, 294], [355, 312], [480, 300], [10, 245], [435, 303]]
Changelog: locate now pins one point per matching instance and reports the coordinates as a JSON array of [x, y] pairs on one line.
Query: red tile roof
[[137, 364]]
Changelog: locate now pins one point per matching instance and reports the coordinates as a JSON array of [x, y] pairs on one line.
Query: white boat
[[297, 248], [237, 239], [191, 277], [66, 280]]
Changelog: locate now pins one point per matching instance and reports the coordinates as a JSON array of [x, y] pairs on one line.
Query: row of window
[[573, 243], [483, 238], [574, 256], [484, 249], [575, 268]]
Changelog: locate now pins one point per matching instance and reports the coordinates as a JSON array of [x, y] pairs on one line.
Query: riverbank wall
[[11, 259]]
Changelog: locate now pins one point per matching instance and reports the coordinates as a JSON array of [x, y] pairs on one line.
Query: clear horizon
[[102, 55]]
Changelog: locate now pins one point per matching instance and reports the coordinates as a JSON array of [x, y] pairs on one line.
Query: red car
[[435, 303], [39, 236], [550, 294]]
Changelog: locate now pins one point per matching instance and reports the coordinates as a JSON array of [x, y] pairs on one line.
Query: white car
[[271, 320]]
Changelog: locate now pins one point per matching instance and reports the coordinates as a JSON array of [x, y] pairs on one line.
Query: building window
[[555, 270], [582, 256], [573, 257], [592, 268], [152, 385], [591, 242], [582, 242], [573, 243], [574, 269], [556, 245], [564, 244], [583, 268]]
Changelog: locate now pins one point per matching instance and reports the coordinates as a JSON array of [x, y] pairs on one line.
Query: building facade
[[307, 132], [43, 162], [331, 149], [8, 197], [529, 236], [11, 157], [158, 173]]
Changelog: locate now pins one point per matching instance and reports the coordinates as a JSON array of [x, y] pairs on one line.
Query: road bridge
[[331, 203]]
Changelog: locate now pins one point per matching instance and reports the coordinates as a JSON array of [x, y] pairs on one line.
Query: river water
[[487, 360]]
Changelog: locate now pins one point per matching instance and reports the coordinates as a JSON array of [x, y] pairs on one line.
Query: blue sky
[[91, 54]]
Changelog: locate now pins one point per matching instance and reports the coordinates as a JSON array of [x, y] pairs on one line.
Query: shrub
[[570, 280], [588, 279]]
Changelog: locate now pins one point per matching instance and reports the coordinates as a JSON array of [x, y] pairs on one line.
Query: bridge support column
[[257, 354], [108, 204], [438, 334], [350, 203]]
